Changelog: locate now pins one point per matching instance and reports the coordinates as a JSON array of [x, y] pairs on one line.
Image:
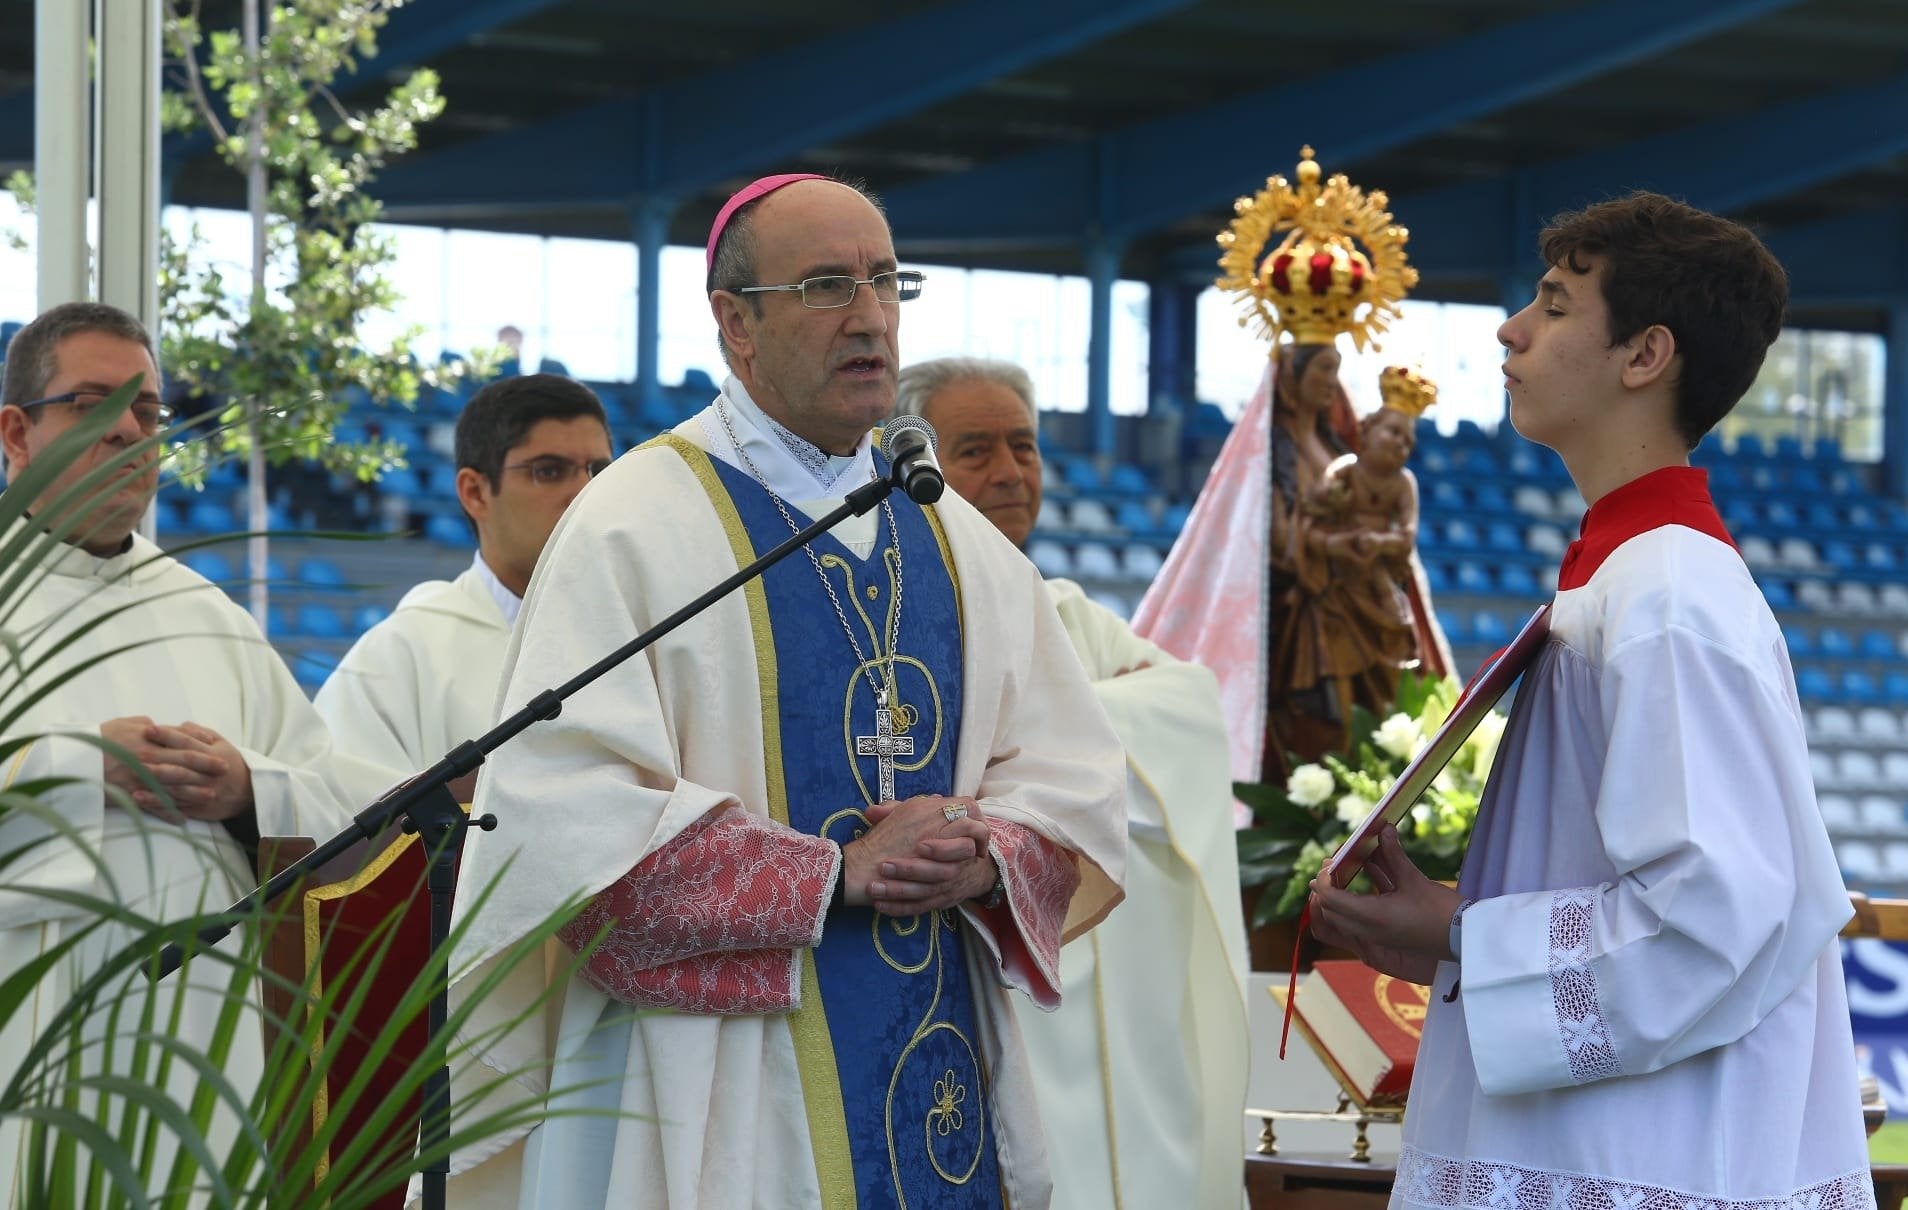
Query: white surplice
[[1651, 1010], [195, 657], [423, 679], [720, 1118], [1141, 1073]]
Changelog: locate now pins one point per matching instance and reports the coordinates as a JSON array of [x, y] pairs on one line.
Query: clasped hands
[[918, 856], [1402, 929], [204, 775]]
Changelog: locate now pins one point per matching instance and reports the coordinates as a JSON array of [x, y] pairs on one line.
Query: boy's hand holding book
[[1402, 929]]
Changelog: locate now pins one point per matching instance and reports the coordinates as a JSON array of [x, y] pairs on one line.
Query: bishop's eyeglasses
[[827, 293], [150, 414]]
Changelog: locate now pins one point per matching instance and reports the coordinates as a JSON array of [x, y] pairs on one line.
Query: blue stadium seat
[[698, 380], [1725, 477], [1748, 445], [1174, 518], [320, 622], [368, 616], [1895, 689], [1080, 474], [320, 573], [550, 365], [210, 564], [1841, 556], [1489, 630], [1436, 578], [1778, 594], [1801, 643], [1490, 498], [1879, 556], [312, 667], [1448, 496], [1516, 580], [1860, 689], [1474, 577], [1461, 535], [1789, 447], [1781, 514], [1504, 536], [1471, 432], [1128, 480], [1133, 517], [8, 331], [1823, 515], [403, 482], [280, 622], [448, 530], [1834, 644], [1814, 686], [1457, 629], [204, 516], [1879, 645]]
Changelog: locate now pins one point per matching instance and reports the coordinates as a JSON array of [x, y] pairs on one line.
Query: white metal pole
[[255, 495], [126, 92], [62, 131]]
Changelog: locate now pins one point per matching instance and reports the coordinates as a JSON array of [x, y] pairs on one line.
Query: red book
[[1365, 1026]]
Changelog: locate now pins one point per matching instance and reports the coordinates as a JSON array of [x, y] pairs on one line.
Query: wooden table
[[1316, 1182]]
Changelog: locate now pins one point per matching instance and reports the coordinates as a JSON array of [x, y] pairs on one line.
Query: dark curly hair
[[1708, 280]]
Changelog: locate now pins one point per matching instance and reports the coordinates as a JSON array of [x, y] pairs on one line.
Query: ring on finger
[[952, 811]]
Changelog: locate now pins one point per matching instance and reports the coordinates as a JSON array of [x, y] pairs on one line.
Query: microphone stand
[[428, 808]]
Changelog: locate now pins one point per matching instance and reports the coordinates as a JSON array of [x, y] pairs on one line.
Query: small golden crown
[[1406, 390], [1339, 268]]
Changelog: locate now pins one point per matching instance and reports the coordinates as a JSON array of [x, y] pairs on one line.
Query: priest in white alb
[[425, 678], [1142, 1072], [825, 829], [187, 686]]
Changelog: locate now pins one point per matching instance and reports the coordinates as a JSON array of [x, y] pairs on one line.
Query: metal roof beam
[[683, 138], [1721, 165], [1147, 175]]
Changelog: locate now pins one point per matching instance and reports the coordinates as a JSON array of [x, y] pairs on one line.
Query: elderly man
[[1141, 1074], [425, 678], [180, 747], [822, 829]]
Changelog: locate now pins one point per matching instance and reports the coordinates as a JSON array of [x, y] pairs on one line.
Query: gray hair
[[733, 265], [33, 356], [920, 382]]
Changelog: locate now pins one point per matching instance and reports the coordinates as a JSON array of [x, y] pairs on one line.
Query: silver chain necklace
[[884, 745]]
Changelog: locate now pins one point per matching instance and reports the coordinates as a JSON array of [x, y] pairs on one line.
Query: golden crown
[[1406, 390], [1339, 268]]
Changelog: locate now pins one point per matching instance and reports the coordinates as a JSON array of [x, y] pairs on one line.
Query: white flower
[[1483, 741], [1309, 785], [1399, 735], [1352, 808]]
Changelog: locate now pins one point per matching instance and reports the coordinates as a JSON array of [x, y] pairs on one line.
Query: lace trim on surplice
[[1435, 1180], [1581, 1025]]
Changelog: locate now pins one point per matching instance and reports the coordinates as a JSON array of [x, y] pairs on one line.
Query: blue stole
[[896, 1005]]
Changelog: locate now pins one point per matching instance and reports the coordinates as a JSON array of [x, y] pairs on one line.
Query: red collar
[[1674, 495]]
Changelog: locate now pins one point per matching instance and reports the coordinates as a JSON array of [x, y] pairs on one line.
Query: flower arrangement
[[1298, 825]]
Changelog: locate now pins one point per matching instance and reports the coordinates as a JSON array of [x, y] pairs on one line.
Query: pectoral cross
[[884, 745]]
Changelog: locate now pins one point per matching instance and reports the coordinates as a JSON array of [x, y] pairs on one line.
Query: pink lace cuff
[[708, 922], [1024, 931]]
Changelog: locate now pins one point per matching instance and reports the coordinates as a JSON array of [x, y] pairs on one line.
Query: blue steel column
[[1103, 269], [1895, 402], [649, 221]]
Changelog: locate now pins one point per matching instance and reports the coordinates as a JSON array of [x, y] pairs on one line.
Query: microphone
[[908, 441]]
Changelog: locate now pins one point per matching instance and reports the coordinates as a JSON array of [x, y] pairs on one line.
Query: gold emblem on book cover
[[1404, 1004]]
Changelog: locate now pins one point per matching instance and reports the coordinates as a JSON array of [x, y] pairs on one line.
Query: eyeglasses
[[827, 293], [554, 471], [151, 415]]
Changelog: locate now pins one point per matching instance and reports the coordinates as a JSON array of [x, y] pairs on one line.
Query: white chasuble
[[192, 656], [1651, 1011], [1141, 1073], [657, 795]]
